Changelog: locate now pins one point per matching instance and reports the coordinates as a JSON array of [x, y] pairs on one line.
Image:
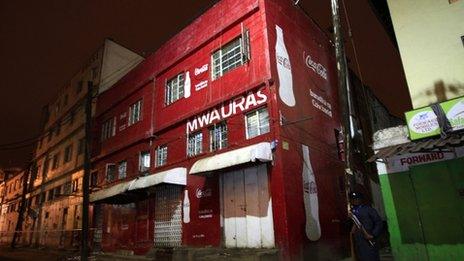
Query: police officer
[[371, 227]]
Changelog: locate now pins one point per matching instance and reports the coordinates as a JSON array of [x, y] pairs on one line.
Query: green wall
[[425, 211]]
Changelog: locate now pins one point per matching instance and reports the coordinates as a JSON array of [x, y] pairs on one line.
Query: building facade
[[228, 136], [53, 216], [430, 37], [11, 190]]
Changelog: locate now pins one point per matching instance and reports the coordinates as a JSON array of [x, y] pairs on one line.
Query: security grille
[[168, 215]]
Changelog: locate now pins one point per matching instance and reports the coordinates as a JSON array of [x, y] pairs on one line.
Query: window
[[218, 136], [51, 193], [194, 145], [257, 123], [108, 129], [81, 146], [161, 155], [135, 112], [50, 133], [65, 100], [94, 179], [71, 117], [174, 89], [340, 145], [230, 56], [39, 145], [56, 161], [75, 185], [110, 172], [122, 169], [68, 153], [58, 128], [67, 188], [144, 162], [57, 191], [79, 86]]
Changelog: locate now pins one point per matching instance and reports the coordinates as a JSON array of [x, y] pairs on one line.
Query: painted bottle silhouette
[[187, 85], [284, 70], [313, 227], [186, 207]]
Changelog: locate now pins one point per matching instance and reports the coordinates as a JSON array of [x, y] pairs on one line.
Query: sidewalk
[[36, 254]]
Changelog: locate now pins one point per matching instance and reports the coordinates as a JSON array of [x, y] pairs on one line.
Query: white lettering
[[316, 67], [201, 85], [232, 107], [239, 104], [201, 70], [250, 101]]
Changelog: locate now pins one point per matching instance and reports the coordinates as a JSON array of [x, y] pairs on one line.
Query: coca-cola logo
[[316, 67], [203, 193], [201, 70], [284, 62]]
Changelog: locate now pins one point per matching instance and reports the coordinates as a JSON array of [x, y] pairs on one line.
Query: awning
[[177, 176], [261, 151], [419, 146], [110, 192]]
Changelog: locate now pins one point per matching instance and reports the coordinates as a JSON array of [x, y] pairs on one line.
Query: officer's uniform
[[373, 224]]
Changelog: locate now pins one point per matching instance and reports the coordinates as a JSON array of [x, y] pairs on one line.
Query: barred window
[[110, 172], [108, 129], [122, 169], [161, 155], [135, 112], [68, 153], [194, 144], [218, 136], [144, 161], [174, 89], [257, 123], [56, 161], [230, 56]]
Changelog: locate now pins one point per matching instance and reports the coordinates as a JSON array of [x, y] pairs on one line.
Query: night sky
[[44, 43]]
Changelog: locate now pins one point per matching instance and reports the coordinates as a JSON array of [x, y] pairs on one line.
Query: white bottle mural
[[186, 207], [313, 227], [187, 85], [284, 70]]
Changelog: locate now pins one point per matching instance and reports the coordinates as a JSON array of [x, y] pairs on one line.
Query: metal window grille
[[135, 112], [218, 136], [161, 155], [108, 129], [168, 216], [232, 55], [144, 163], [122, 169], [174, 89], [110, 172], [257, 123], [68, 153], [194, 144]]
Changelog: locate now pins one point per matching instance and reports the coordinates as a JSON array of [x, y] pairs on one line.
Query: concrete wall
[[429, 37]]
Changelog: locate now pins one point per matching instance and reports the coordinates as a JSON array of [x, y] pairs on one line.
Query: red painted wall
[[167, 124]]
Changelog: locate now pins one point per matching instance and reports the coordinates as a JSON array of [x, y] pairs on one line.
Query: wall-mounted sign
[[318, 68], [233, 107], [423, 122]]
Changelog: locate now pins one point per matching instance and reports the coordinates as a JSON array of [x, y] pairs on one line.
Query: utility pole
[[87, 166], [22, 207], [344, 92]]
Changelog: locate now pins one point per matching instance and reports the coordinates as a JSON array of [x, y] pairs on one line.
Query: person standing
[[371, 226]]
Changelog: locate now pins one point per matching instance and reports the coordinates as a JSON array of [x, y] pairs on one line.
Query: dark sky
[[43, 43]]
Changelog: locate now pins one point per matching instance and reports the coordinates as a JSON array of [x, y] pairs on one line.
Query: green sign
[[423, 122]]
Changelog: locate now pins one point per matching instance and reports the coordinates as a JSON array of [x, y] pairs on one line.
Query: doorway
[[246, 208]]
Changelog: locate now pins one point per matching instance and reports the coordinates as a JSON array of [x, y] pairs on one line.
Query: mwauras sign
[[232, 107], [423, 122]]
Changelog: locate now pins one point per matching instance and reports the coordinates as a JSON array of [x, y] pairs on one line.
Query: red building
[[227, 136]]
